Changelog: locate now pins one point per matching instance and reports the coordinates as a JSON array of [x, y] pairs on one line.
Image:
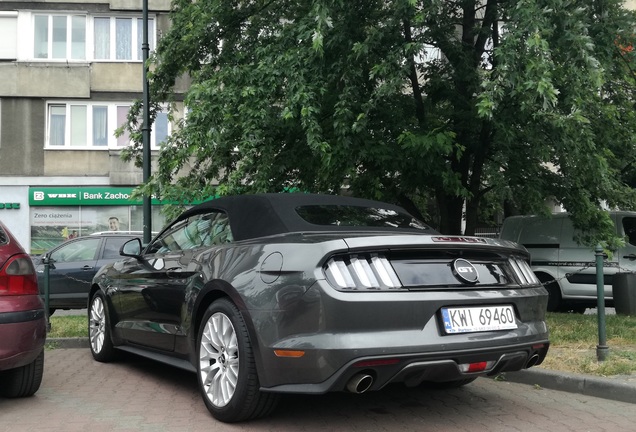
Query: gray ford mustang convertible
[[261, 295]]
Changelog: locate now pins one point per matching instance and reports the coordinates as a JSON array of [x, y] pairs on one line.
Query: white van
[[567, 268]]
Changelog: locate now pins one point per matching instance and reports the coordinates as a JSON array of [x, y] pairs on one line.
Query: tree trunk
[[472, 213], [450, 211]]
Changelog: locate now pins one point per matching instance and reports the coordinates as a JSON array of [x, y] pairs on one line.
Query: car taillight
[[362, 272], [523, 271], [17, 277]]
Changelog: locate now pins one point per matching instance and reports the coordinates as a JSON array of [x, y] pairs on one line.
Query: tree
[[463, 101]]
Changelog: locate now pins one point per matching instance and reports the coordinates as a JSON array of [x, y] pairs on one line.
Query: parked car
[[22, 321], [567, 267], [298, 293], [75, 263]]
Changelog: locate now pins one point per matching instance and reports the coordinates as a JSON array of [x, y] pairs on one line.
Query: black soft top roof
[[260, 215]]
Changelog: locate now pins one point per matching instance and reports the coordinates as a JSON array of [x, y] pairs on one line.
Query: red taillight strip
[[374, 363], [477, 366], [17, 277]]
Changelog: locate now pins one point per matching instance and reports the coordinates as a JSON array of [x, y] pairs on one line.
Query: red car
[[22, 321]]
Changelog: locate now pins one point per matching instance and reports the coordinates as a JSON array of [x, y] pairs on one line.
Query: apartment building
[[69, 71]]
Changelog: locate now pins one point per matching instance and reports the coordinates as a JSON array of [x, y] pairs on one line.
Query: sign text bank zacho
[[82, 196], [60, 213]]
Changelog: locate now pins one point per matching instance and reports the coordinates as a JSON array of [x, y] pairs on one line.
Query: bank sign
[[82, 196]]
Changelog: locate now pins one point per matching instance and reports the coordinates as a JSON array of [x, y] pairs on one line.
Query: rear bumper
[[336, 331], [22, 330], [415, 369]]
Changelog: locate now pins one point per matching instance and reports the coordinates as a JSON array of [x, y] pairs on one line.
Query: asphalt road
[[79, 394]]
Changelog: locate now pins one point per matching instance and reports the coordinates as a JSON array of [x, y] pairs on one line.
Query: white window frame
[[136, 44], [26, 46], [113, 124], [8, 35], [69, 36]]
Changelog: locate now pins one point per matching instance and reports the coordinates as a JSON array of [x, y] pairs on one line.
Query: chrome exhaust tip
[[360, 383], [533, 360]]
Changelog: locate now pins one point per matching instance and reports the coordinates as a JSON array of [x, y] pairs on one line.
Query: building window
[[81, 125], [123, 38], [78, 125], [160, 128], [57, 125], [120, 38], [67, 37], [59, 37], [122, 113], [101, 27], [8, 35], [78, 37], [100, 125]]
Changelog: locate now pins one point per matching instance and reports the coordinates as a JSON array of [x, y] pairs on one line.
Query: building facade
[[69, 71]]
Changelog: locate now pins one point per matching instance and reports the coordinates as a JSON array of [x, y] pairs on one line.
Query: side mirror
[[132, 248], [46, 260]]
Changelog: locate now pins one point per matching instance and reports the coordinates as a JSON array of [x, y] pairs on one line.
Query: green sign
[[9, 206], [86, 196]]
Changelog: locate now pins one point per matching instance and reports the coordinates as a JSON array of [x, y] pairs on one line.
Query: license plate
[[478, 319]]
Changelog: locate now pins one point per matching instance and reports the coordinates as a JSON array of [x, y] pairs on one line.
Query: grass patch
[[69, 326], [574, 338], [567, 328]]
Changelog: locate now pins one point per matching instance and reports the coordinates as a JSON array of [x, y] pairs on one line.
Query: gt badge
[[464, 271]]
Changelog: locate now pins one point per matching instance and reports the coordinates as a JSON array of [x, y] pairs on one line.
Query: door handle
[[87, 267], [630, 257]]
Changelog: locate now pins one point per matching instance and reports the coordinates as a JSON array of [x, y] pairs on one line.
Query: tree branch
[[415, 83]]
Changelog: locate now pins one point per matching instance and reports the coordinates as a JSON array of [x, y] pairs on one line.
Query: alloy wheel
[[219, 359], [97, 324]]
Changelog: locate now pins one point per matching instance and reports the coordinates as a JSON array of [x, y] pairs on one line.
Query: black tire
[[99, 334], [574, 308], [448, 384], [226, 370], [555, 300], [23, 381]]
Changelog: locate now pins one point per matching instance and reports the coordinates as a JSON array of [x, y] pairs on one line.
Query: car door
[[70, 276], [153, 291]]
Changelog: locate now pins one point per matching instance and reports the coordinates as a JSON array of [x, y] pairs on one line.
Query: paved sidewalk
[[79, 394]]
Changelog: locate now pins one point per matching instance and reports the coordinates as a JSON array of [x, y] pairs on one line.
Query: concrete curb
[[620, 388], [81, 342]]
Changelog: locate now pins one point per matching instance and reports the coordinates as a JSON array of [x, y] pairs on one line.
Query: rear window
[[355, 216], [4, 239]]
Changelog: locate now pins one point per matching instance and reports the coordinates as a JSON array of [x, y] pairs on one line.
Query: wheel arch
[[93, 289], [215, 290], [545, 278], [211, 292], [115, 336]]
